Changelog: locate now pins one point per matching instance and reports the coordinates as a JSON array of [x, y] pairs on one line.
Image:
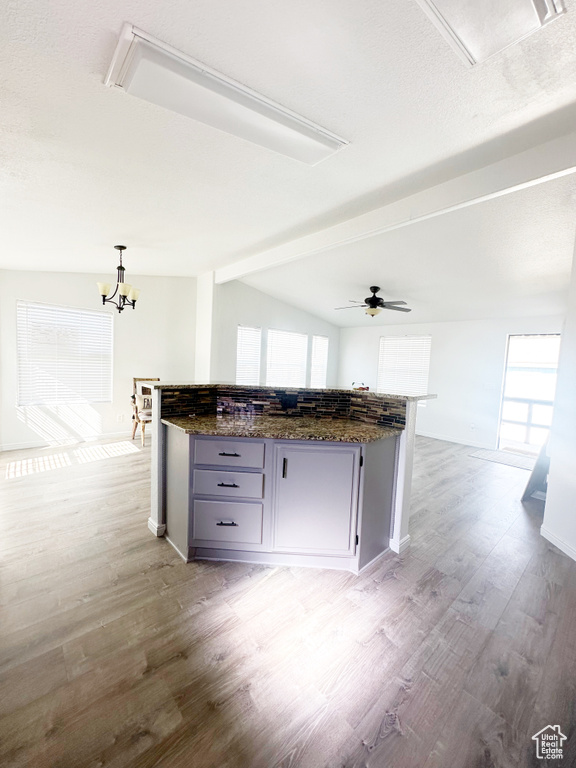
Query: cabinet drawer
[[229, 453], [226, 521], [220, 482]]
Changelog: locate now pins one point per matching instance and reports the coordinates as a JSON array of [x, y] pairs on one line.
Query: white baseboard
[[59, 445], [400, 546], [279, 558], [449, 439], [374, 559], [175, 548], [553, 539], [159, 529]]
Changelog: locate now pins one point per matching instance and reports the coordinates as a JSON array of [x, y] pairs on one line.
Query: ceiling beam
[[543, 163]]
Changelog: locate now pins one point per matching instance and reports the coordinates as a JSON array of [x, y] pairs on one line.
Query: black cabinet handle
[[228, 485], [284, 467], [223, 453], [235, 525]]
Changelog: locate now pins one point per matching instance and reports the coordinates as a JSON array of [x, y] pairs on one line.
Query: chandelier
[[125, 294]]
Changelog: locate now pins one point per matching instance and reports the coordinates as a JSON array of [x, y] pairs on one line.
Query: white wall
[[466, 371], [238, 304], [559, 524], [154, 339]]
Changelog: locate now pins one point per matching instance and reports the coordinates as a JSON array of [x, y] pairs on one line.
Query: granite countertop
[[282, 428], [241, 387]]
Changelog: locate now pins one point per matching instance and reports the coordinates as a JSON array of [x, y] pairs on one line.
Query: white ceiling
[[83, 167], [509, 257]]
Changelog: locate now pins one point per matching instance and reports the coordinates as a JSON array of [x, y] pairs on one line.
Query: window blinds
[[248, 344], [403, 365], [286, 359], [64, 354], [319, 362]]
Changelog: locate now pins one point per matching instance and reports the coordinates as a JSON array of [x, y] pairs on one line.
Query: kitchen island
[[281, 476]]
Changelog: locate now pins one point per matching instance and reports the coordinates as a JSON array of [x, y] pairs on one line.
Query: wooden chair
[[141, 406]]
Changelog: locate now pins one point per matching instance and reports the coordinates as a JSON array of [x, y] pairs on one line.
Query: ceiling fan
[[375, 304]]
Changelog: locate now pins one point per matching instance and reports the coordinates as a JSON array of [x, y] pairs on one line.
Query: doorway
[[528, 393]]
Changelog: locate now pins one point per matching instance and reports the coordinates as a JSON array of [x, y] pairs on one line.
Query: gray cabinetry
[[280, 502], [316, 498]]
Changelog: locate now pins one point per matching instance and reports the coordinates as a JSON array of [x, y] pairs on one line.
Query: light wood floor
[[114, 653]]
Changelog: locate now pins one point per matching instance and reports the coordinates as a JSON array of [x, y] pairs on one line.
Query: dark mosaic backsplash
[[282, 402]]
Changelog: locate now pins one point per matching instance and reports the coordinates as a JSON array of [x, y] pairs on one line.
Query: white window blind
[[403, 365], [64, 354], [286, 359], [248, 345], [319, 363]]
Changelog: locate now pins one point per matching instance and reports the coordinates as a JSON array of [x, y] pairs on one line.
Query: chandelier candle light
[[126, 294]]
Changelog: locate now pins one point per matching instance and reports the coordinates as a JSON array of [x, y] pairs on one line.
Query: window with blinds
[[248, 345], [64, 354], [286, 359], [319, 362], [403, 365]]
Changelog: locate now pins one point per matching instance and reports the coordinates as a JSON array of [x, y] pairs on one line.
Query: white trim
[[174, 547], [159, 529], [374, 559], [46, 444], [400, 546], [568, 549], [278, 559]]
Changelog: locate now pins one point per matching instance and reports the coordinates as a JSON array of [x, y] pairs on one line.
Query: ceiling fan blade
[[356, 306], [393, 302], [397, 309], [355, 301]]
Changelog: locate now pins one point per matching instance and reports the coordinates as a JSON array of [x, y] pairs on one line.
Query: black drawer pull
[[228, 485], [285, 468], [235, 525], [223, 453]]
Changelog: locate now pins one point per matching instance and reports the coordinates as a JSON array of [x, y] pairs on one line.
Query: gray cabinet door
[[316, 497]]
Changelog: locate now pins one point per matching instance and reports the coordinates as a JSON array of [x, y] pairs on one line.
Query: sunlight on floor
[[32, 466], [38, 464], [97, 452]]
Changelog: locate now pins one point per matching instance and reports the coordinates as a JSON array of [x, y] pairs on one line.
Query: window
[[248, 345], [319, 362], [403, 365], [286, 359], [529, 387], [64, 354]]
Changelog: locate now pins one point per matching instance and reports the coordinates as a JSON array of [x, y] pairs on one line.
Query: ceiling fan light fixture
[[146, 67], [373, 311]]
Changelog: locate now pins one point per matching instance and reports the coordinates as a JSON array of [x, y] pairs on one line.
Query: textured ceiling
[[509, 257], [83, 167]]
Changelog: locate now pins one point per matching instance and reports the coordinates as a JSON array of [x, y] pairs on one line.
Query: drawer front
[[220, 482], [228, 453], [228, 522]]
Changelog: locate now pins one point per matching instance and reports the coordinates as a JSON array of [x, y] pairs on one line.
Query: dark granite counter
[[282, 428], [241, 388]]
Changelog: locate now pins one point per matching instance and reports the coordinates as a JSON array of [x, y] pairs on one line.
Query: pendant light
[[126, 295]]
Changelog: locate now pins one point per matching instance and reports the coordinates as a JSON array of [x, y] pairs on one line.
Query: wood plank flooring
[[114, 653]]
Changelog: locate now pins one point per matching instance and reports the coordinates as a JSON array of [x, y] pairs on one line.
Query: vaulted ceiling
[[83, 166]]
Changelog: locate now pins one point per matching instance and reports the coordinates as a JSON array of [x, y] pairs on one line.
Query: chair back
[[139, 386]]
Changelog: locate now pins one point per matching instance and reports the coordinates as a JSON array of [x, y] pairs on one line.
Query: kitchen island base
[[279, 502]]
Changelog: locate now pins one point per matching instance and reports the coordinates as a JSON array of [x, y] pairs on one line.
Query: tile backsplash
[[280, 401]]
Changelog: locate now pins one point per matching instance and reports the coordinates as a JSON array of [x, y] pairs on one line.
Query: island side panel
[[177, 475], [400, 540], [157, 519], [377, 499]]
